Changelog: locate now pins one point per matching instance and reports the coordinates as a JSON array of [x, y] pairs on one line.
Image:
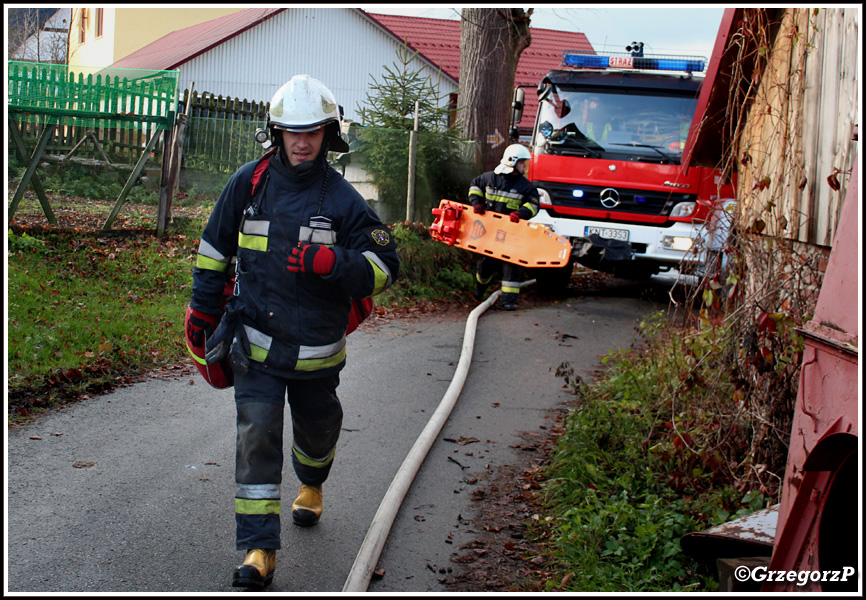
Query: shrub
[[428, 270], [654, 450], [442, 170]]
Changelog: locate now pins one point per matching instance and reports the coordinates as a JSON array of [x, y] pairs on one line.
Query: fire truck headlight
[[683, 244], [544, 197], [683, 209]]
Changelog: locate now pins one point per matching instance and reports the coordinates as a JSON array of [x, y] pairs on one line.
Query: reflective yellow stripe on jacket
[[510, 199], [531, 208], [211, 259], [382, 274], [314, 358], [260, 343], [310, 358], [254, 235]]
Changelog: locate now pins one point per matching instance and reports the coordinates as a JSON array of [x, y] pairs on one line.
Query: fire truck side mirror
[[517, 107]]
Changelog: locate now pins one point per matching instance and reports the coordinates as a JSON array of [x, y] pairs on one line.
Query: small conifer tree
[[388, 117]]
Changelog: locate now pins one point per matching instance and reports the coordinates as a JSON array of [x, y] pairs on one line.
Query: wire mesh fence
[[377, 164]]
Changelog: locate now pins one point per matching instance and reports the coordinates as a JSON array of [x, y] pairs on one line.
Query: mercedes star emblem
[[609, 198]]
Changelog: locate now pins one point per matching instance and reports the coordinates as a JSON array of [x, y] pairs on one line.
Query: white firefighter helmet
[[512, 154], [305, 104]]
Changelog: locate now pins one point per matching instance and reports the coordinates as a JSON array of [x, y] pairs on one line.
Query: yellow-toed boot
[[257, 572], [307, 507]]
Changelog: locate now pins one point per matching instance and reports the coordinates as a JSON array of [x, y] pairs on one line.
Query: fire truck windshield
[[613, 124]]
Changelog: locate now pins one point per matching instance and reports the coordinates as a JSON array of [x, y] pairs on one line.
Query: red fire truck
[[606, 150]]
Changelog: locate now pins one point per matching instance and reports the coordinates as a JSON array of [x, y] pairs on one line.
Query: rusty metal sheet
[[751, 535]]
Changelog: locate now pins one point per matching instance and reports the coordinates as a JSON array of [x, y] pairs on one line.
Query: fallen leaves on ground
[[502, 558]]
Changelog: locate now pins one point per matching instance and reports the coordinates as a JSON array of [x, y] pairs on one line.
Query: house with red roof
[[438, 40], [249, 53]]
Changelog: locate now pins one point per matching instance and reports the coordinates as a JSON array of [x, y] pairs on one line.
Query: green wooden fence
[[122, 107]]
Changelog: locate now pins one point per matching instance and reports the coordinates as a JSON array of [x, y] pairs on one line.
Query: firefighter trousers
[[512, 275], [316, 416]]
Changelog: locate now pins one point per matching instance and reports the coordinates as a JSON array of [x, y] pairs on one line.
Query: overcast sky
[[663, 28]]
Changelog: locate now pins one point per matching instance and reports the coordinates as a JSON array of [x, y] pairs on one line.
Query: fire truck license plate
[[607, 233]]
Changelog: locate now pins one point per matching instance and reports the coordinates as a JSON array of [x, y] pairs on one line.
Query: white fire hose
[[374, 542]]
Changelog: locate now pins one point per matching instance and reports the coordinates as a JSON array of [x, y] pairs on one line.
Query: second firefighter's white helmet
[[305, 104], [512, 154]]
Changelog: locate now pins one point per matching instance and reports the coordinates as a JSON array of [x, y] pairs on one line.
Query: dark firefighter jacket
[[505, 193], [295, 322]]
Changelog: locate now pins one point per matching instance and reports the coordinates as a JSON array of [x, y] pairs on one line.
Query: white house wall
[[338, 46]]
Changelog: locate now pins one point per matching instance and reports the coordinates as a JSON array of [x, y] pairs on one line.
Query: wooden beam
[[164, 183], [37, 185], [31, 168], [170, 187], [132, 178], [89, 135]]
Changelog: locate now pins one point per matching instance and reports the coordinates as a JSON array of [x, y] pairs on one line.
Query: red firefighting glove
[[312, 258], [515, 217], [478, 209], [199, 328]]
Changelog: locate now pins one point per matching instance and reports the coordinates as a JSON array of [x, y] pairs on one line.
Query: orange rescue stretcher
[[493, 234]]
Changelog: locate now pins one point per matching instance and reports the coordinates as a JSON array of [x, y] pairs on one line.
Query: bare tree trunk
[[29, 39], [491, 42], [25, 25]]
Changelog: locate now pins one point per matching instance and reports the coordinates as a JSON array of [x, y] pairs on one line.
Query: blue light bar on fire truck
[[655, 62]]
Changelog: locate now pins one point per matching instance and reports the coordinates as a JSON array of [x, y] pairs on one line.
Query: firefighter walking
[[504, 190], [302, 244]]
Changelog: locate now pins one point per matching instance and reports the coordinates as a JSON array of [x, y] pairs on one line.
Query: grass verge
[[628, 478], [428, 270], [89, 310]]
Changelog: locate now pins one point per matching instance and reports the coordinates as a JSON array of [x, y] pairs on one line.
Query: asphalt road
[[133, 491]]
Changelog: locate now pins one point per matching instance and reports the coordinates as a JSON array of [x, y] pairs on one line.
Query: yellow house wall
[[126, 30], [95, 51]]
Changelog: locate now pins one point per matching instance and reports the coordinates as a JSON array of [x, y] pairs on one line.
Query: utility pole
[[413, 151]]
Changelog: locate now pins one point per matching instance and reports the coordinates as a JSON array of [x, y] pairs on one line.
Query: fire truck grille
[[617, 200]]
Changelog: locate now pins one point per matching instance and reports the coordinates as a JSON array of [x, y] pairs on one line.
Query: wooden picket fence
[[219, 134], [117, 111], [122, 109]]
